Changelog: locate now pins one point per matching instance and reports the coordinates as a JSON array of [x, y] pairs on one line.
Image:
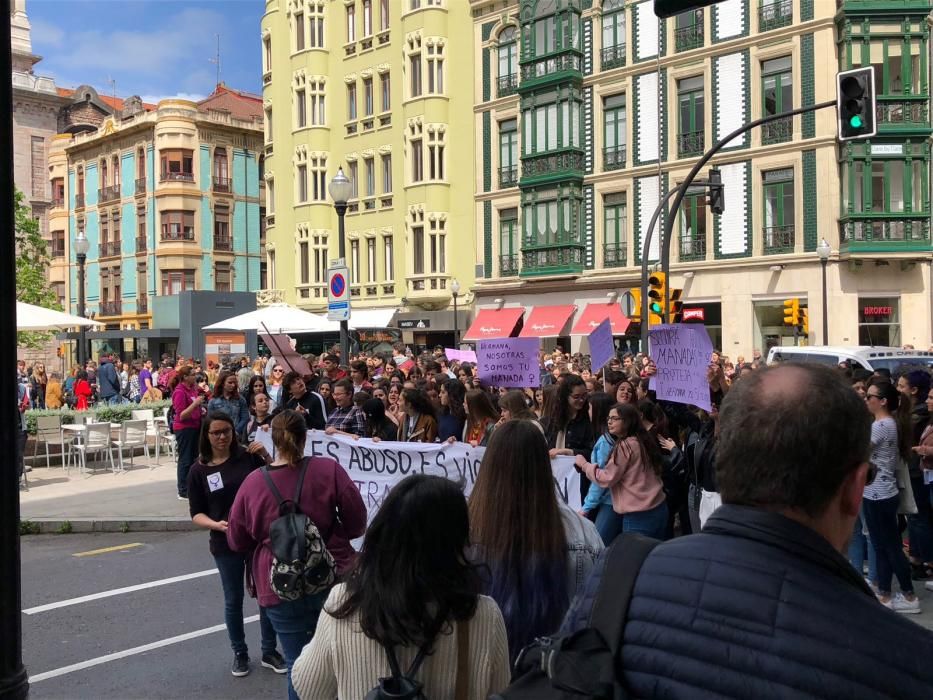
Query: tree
[[32, 262]]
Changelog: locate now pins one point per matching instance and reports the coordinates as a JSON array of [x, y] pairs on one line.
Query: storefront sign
[[696, 314], [887, 149], [412, 323], [876, 311]]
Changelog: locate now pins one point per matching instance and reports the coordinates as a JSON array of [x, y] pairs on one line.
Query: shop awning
[[594, 314], [494, 323], [547, 321]]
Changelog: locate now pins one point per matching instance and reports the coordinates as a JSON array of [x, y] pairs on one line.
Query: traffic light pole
[[682, 191], [644, 268]]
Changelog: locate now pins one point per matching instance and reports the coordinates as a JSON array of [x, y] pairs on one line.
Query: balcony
[[111, 308], [613, 158], [777, 240], [58, 202], [870, 233], [612, 57], [552, 259], [507, 85], [779, 131], [109, 249], [690, 144], [555, 68], [553, 165], [177, 177], [689, 37], [142, 305], [692, 249], [774, 14], [428, 286], [111, 193], [141, 244], [178, 235], [221, 184], [140, 185], [614, 254], [508, 265], [508, 176], [79, 200], [903, 113], [58, 252], [223, 243]]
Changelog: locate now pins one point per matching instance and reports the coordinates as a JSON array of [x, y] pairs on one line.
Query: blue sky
[[151, 48]]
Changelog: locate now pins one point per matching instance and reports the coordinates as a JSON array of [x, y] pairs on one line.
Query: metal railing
[[690, 37], [554, 162], [507, 85], [690, 143], [508, 176], [58, 252], [223, 243], [141, 244], [177, 177], [548, 65], [773, 14], [905, 230], [614, 158], [140, 185], [108, 194], [111, 308], [142, 304], [558, 255], [909, 112], [109, 249], [176, 235], [508, 265], [692, 249], [778, 131], [612, 57], [777, 239], [58, 202], [614, 254], [221, 184]]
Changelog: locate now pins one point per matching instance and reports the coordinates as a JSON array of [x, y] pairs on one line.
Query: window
[[299, 31], [140, 164], [177, 281], [270, 195], [304, 263], [414, 4], [508, 153], [613, 51], [222, 229], [141, 237], [774, 13], [301, 106], [414, 62], [367, 18], [552, 216], [104, 179], [615, 132], [178, 225], [371, 260], [383, 15], [355, 261], [319, 179], [778, 234], [417, 160], [556, 27], [508, 242], [354, 176], [386, 92], [222, 277], [386, 174], [117, 237], [693, 228], [777, 91], [267, 54], [318, 109], [351, 24], [435, 69], [316, 34], [58, 244], [104, 229], [387, 255], [551, 123], [368, 97], [81, 182], [370, 166], [690, 139], [438, 242], [268, 124], [435, 154], [221, 166], [688, 30], [417, 242], [896, 62], [177, 164], [508, 62], [615, 229], [351, 102], [302, 183]]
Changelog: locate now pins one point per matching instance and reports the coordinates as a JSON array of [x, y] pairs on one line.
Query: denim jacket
[[597, 495], [235, 408]]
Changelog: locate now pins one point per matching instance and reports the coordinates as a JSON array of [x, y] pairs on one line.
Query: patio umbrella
[[37, 318], [276, 318]]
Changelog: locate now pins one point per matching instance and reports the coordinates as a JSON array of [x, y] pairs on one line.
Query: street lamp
[[455, 290], [340, 189], [823, 250], [81, 247]]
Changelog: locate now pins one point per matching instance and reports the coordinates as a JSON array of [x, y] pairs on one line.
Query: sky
[[151, 48]]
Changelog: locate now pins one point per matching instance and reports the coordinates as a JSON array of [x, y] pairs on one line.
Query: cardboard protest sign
[[602, 348], [508, 362], [460, 355], [682, 355], [285, 354]]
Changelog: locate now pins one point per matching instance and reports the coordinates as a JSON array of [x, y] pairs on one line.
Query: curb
[[78, 526]]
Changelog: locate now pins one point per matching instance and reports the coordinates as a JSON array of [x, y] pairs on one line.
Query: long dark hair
[[479, 408], [456, 392], [419, 401], [517, 525], [632, 427], [205, 451], [900, 412], [600, 403], [412, 568], [516, 403], [559, 413], [251, 388], [219, 384], [178, 378], [376, 419]]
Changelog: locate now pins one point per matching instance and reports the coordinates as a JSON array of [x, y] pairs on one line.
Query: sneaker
[[928, 585], [240, 665], [182, 498], [900, 604], [275, 662]]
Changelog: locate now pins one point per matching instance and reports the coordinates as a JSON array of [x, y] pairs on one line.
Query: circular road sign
[[338, 285]]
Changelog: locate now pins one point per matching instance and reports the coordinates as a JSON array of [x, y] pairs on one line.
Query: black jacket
[[108, 381]]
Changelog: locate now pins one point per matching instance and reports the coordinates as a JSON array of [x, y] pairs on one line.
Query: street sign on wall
[[338, 293]]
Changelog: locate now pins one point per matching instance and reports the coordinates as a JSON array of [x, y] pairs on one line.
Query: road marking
[[117, 548], [117, 591], [132, 652]]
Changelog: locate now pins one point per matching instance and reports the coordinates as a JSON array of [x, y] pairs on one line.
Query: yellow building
[[379, 88], [594, 110]]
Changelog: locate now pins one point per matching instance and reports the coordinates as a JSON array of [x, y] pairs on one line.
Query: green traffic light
[[655, 308], [855, 121]]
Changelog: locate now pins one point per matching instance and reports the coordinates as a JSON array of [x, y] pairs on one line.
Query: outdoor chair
[[152, 428], [96, 441], [49, 431], [132, 435]]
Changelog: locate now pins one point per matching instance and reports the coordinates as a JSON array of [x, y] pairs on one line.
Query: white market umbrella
[[38, 318], [275, 318]]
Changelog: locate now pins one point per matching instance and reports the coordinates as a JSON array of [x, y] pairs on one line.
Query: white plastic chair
[[132, 435], [49, 431], [96, 441], [152, 429]]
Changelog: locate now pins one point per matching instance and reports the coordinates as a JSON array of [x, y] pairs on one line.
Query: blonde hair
[[289, 432]]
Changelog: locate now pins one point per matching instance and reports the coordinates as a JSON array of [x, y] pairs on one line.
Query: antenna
[[216, 59], [113, 88]]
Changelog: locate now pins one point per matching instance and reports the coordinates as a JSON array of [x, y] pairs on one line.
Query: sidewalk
[[143, 498]]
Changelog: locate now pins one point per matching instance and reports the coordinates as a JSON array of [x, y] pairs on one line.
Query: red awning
[[594, 314], [494, 323], [547, 321]]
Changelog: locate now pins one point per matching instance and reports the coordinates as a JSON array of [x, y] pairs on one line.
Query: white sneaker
[[928, 585], [900, 604]]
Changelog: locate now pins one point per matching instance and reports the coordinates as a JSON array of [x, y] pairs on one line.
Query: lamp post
[[823, 250], [340, 189], [81, 247], [455, 290]]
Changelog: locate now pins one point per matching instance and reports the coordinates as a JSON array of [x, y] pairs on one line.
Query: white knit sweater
[[341, 662]]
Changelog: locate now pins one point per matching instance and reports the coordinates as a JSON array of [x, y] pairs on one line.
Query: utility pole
[[216, 60]]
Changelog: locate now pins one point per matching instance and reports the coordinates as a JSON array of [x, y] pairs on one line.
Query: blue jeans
[[881, 518], [295, 622], [859, 547], [608, 523], [650, 523], [232, 567], [116, 400], [187, 439]]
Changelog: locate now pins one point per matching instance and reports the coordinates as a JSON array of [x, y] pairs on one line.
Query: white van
[[868, 357]]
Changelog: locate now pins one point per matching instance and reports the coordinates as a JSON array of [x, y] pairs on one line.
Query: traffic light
[[656, 284], [635, 316], [669, 8], [805, 322], [855, 103], [676, 306], [716, 195], [792, 312]]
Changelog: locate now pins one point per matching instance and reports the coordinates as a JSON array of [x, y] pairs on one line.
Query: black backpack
[[401, 686], [586, 663]]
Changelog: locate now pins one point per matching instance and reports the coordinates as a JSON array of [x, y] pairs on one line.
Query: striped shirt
[[884, 456]]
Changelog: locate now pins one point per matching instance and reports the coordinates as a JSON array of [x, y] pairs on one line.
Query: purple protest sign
[[508, 362], [460, 355], [682, 354], [601, 347]]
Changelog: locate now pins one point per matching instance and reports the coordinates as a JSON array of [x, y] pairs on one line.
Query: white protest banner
[[682, 354], [602, 348], [508, 362], [376, 467]]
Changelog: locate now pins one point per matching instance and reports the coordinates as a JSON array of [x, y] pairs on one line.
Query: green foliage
[[104, 413], [124, 527], [27, 527], [65, 528], [32, 260]]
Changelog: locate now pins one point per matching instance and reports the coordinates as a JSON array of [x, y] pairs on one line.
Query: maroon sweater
[[328, 497]]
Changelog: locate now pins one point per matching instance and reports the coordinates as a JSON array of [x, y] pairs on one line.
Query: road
[[65, 647]]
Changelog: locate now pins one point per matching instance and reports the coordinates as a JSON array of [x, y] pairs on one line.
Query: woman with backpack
[[213, 483], [321, 490], [428, 612]]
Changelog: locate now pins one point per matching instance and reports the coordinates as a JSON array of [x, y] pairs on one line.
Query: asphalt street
[[81, 633]]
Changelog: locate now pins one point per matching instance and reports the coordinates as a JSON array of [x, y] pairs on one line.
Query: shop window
[[879, 321]]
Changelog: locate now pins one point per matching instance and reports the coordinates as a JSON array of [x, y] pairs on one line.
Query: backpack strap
[[278, 494], [623, 563], [301, 480]]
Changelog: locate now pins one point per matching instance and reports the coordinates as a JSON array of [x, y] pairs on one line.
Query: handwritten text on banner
[[509, 362], [682, 354]]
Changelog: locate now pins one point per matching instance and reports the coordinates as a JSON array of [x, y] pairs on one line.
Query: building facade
[[591, 111], [170, 201], [379, 89]]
